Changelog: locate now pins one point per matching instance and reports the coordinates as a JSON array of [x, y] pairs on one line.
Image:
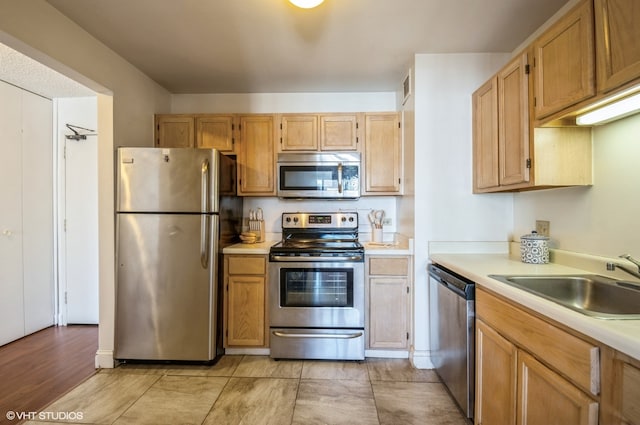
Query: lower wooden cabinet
[[546, 398], [496, 373], [529, 372], [245, 321], [389, 302]]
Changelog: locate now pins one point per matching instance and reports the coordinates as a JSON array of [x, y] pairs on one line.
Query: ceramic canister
[[534, 248]]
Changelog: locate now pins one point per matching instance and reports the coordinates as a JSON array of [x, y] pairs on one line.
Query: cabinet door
[[495, 378], [299, 132], [339, 132], [513, 119], [215, 132], [257, 156], [383, 161], [564, 62], [485, 137], [617, 34], [246, 311], [545, 398], [388, 312], [174, 131]]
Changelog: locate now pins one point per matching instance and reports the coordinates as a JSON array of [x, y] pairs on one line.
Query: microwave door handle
[[340, 178]]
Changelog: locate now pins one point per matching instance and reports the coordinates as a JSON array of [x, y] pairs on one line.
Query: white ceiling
[[269, 46]]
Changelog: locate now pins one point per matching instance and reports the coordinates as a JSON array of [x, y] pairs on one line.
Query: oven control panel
[[339, 220]]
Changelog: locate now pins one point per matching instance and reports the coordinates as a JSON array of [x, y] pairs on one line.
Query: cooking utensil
[[376, 217]]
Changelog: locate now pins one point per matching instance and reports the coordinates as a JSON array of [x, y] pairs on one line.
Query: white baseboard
[[104, 359], [247, 351], [421, 360], [387, 354]]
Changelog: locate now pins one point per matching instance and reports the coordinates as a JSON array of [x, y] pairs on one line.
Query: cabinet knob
[[7, 232]]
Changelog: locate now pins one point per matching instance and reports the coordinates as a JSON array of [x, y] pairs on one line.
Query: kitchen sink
[[593, 295]]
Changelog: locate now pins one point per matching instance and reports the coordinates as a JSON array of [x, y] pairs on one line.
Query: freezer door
[[168, 180], [166, 292]]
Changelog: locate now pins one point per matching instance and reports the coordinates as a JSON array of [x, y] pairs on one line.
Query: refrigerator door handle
[[204, 220], [204, 200], [205, 223]]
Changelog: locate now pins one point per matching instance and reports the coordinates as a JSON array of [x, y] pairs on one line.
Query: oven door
[[316, 294]]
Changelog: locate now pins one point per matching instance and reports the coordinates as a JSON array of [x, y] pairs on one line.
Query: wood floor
[[39, 368]]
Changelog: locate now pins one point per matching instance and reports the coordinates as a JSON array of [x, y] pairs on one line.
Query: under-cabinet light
[[619, 109], [306, 4]]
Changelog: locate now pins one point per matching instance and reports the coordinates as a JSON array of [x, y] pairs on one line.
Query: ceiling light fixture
[[611, 112], [306, 4]]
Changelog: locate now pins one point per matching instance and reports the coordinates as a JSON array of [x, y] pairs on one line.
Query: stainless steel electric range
[[316, 288]]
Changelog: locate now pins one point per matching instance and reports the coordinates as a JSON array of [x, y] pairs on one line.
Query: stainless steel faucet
[[624, 267]]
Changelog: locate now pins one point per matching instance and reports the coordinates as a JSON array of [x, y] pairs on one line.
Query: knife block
[[257, 227]]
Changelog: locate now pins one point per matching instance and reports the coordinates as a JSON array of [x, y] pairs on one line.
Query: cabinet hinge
[[65, 224], [226, 332], [534, 61], [233, 141], [233, 127], [399, 124], [399, 180], [357, 140], [64, 152], [65, 297], [280, 126], [357, 126], [407, 289], [281, 140], [527, 69], [407, 336], [528, 162], [535, 101]]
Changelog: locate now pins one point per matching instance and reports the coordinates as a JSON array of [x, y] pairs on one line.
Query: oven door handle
[[284, 258], [302, 335]]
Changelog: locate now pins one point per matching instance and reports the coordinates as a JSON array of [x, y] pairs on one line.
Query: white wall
[[283, 102], [445, 208], [602, 219]]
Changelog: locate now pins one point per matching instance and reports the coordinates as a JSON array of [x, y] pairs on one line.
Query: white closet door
[[11, 270], [37, 211]]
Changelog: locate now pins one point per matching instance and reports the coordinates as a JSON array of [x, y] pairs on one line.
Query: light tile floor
[[258, 390]]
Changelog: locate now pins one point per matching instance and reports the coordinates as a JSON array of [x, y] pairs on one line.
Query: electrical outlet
[[542, 227], [386, 221]]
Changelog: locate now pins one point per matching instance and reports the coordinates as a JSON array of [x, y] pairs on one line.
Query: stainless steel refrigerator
[[176, 210]]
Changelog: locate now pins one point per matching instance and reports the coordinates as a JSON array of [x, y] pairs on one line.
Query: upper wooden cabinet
[[617, 24], [564, 62], [485, 137], [339, 132], [382, 154], [256, 160], [508, 153], [216, 132], [174, 131], [299, 132], [313, 132]]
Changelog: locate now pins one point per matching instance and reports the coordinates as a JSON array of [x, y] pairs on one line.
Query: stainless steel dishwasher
[[452, 331]]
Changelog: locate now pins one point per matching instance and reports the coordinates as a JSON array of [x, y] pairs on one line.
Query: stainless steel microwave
[[334, 175]]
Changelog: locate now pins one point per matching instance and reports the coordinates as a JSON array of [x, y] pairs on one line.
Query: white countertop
[[250, 248], [622, 335], [395, 245]]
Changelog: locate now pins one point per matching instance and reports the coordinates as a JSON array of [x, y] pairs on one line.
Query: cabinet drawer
[[247, 265], [567, 354], [631, 393], [389, 266]]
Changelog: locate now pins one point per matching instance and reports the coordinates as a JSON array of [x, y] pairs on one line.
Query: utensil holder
[[376, 234]]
